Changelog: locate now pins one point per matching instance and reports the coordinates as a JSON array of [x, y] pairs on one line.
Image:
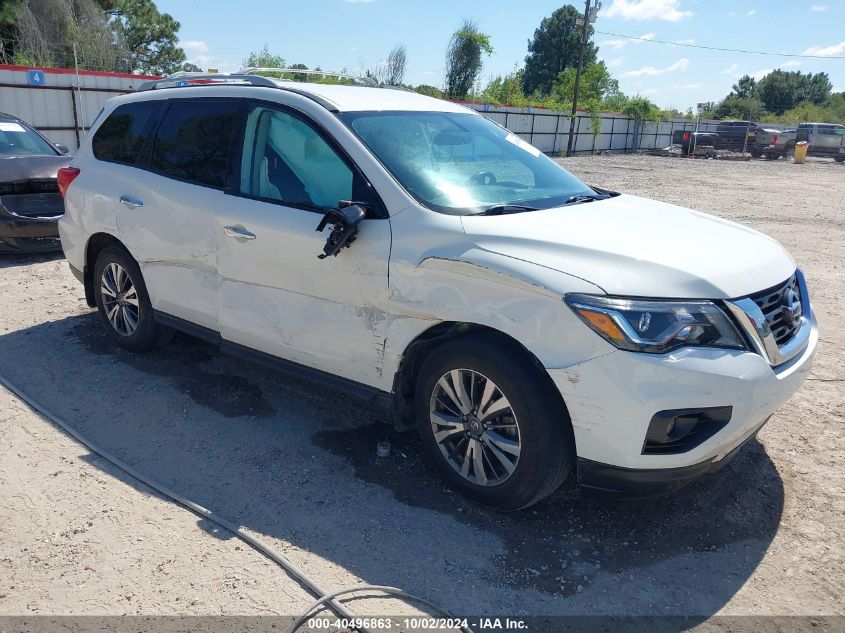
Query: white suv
[[526, 323]]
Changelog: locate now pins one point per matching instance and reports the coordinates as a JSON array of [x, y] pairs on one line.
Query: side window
[[285, 159], [121, 137], [192, 142]]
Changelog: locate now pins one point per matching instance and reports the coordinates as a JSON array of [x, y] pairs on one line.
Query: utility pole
[[584, 22]]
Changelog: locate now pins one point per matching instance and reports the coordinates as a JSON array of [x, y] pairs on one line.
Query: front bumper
[[20, 234], [603, 481], [612, 399]]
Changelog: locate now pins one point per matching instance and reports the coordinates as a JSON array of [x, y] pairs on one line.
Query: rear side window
[[122, 136], [192, 142]]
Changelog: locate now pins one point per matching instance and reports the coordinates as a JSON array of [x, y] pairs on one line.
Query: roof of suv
[[336, 97], [363, 98]]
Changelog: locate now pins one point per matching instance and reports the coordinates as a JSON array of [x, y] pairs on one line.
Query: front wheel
[[123, 302], [789, 152], [839, 159], [493, 423]]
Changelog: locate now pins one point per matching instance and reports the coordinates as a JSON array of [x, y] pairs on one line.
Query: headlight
[[656, 327]]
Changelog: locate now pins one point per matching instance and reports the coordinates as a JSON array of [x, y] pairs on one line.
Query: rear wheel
[[492, 423], [123, 302], [839, 159], [789, 152]]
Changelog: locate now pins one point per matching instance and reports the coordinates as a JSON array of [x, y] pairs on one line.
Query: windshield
[[463, 163], [19, 140]]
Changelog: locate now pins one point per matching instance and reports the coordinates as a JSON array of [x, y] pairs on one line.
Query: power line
[[716, 48]]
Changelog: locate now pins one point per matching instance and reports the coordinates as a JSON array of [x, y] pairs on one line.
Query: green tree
[[464, 58], [554, 48], [299, 76], [744, 108], [782, 90], [430, 91], [507, 89], [745, 87], [188, 67], [597, 85], [148, 36], [264, 59]]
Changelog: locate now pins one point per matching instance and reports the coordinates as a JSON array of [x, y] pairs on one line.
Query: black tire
[[147, 334], [545, 437], [755, 153], [839, 159], [789, 152]]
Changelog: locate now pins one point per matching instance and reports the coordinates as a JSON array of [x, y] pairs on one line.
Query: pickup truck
[[736, 136], [774, 143], [825, 139], [698, 143]]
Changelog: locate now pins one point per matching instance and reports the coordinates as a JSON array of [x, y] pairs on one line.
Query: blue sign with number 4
[[36, 77]]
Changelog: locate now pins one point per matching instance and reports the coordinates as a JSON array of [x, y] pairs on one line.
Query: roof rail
[[250, 72], [183, 79]]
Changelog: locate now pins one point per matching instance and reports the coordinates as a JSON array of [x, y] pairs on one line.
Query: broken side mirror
[[344, 220]]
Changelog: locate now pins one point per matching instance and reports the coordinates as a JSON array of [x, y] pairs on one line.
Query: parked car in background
[[700, 143], [825, 139], [30, 202], [736, 135], [774, 144], [527, 324]]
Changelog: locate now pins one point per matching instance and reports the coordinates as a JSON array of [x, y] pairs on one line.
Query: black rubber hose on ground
[[324, 598]]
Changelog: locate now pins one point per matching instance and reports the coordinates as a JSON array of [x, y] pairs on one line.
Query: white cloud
[[649, 92], [681, 64], [651, 71], [759, 74], [827, 51], [617, 44], [688, 41], [752, 12], [793, 64], [614, 62], [691, 86], [614, 44], [730, 70], [818, 8], [668, 10], [195, 46]]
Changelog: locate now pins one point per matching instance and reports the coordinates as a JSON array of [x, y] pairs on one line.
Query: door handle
[[132, 203], [238, 232]]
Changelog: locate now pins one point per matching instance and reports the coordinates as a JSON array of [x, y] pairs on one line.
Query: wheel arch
[[96, 243], [415, 353]]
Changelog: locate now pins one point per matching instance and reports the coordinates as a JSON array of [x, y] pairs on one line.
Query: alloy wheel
[[120, 299], [475, 427]]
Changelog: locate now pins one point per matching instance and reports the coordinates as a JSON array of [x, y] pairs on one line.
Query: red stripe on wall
[[72, 71]]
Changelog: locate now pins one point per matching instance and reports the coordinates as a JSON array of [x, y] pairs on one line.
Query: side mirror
[[344, 220], [64, 149]]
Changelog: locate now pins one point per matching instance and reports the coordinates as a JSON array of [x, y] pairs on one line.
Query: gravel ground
[[296, 465]]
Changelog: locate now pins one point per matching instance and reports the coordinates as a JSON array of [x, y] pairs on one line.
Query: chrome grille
[[779, 306]]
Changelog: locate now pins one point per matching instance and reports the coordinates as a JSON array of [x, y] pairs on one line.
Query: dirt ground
[[296, 465]]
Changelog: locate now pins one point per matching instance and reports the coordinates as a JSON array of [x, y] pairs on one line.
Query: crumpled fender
[[521, 299]]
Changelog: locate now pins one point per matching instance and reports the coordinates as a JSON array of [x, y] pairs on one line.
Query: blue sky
[[359, 33]]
